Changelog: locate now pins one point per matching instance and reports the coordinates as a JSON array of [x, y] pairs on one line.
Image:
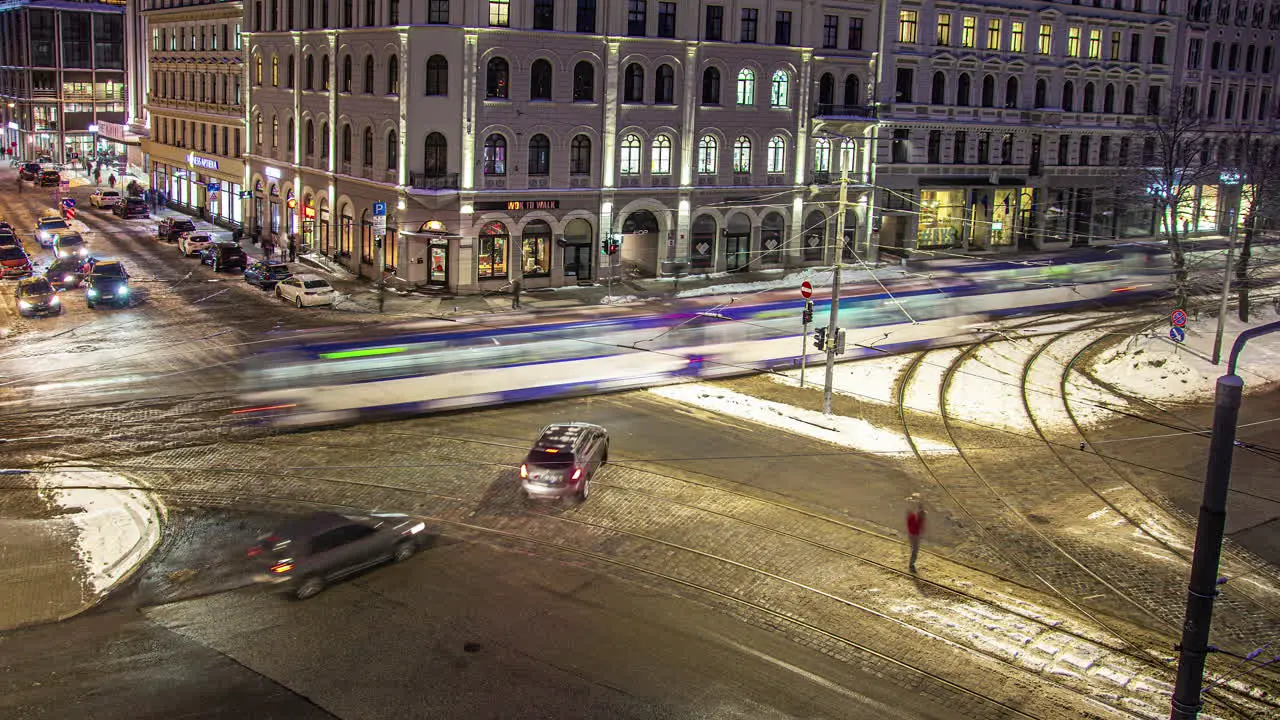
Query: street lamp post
[[93, 153], [1232, 180]]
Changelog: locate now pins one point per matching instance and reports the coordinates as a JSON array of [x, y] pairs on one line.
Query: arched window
[[584, 82], [822, 155], [580, 155], [497, 78], [664, 85], [776, 155], [633, 84], [1087, 105], [495, 155], [1109, 98], [711, 86], [275, 71], [539, 155], [288, 137], [660, 159], [1129, 93], [324, 141], [393, 75], [1011, 93], [540, 80], [746, 88], [309, 139], [368, 147], [988, 91], [1068, 96], [289, 68], [368, 75], [435, 156], [257, 70], [275, 131], [938, 96], [437, 75], [708, 155], [742, 154], [393, 151], [346, 74], [629, 155], [780, 89], [309, 68], [827, 90], [1042, 93], [346, 143], [324, 72], [962, 90], [852, 91]]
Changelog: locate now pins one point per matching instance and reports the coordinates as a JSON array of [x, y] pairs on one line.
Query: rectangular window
[[714, 26], [1115, 45], [855, 33], [750, 24], [969, 32], [781, 28], [586, 16], [544, 14], [438, 12], [1045, 44], [1095, 44], [500, 13], [901, 151], [907, 20], [637, 17], [1073, 42], [943, 37], [1157, 50], [959, 147], [906, 79], [1135, 47], [666, 19], [984, 148], [1016, 30], [993, 35], [830, 27]]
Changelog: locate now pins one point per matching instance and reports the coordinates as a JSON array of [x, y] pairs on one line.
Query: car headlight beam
[[24, 304]]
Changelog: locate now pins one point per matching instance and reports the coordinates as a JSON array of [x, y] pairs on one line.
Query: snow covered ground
[[818, 277]]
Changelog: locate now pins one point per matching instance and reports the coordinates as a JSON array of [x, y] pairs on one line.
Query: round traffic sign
[[806, 290], [1179, 317], [1177, 334]]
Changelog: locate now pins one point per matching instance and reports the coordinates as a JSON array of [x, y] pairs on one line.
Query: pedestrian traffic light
[[807, 315], [614, 245], [820, 338], [839, 342]]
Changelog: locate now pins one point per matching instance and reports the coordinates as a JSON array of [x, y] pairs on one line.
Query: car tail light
[[524, 470], [577, 473], [282, 567], [255, 551]]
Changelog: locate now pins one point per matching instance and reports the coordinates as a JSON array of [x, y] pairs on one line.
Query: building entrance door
[[438, 263], [737, 252], [577, 262]]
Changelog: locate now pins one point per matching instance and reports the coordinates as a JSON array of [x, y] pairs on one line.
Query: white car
[[191, 243], [306, 290], [105, 198]]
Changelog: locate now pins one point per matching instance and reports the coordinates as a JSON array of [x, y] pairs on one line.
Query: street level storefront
[[969, 217], [208, 187]]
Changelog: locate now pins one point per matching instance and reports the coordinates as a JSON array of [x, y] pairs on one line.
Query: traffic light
[[615, 244], [839, 342], [807, 315], [820, 338]]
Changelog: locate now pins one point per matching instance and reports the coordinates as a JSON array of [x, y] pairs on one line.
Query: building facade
[[62, 71], [195, 104]]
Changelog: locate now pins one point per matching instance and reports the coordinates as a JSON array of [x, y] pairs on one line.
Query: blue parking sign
[[379, 208]]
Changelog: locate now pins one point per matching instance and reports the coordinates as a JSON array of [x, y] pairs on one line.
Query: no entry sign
[[806, 290]]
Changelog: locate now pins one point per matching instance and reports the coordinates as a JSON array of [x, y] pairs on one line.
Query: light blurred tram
[[349, 375]]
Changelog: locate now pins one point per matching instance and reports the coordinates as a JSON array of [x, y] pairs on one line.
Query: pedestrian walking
[[112, 181], [515, 294], [268, 247], [915, 526], [293, 248]]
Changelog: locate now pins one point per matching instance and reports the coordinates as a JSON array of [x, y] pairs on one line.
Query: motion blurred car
[[68, 244], [5, 225], [563, 460], [50, 178], [68, 272], [193, 242], [14, 262], [311, 552], [224, 255], [171, 228], [266, 274], [30, 171], [36, 296], [106, 282], [105, 198], [131, 208], [306, 291], [7, 237], [48, 228]]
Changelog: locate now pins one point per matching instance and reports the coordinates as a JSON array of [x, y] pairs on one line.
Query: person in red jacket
[[915, 526]]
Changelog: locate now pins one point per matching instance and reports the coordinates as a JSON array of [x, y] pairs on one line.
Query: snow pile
[[116, 526], [874, 379], [836, 429], [1157, 368], [620, 299], [818, 277]]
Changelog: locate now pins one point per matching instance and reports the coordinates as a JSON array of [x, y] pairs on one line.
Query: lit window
[[993, 34], [1045, 46], [907, 20], [708, 154], [630, 159], [660, 163], [746, 87], [742, 155], [776, 160], [969, 32], [780, 89], [822, 155], [500, 13], [1095, 44], [1015, 37], [1073, 42]]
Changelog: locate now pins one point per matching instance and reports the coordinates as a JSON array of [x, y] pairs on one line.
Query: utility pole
[[1226, 291], [832, 327]]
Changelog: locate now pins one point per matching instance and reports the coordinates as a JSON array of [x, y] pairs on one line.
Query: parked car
[[106, 282], [36, 296], [266, 274], [306, 290], [193, 242], [50, 178], [563, 459], [309, 553], [132, 208], [224, 255], [68, 244], [30, 171], [68, 272], [171, 228], [14, 262], [105, 198], [48, 228]]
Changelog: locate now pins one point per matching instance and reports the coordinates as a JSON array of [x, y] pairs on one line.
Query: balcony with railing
[[835, 110], [423, 181]]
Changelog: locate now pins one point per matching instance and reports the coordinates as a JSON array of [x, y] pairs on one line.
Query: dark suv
[[68, 272], [266, 274], [107, 282], [30, 171], [50, 178], [224, 255], [563, 459], [134, 207], [172, 228], [311, 552]]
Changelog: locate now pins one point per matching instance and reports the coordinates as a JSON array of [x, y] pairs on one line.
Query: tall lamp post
[[93, 152], [1232, 181]]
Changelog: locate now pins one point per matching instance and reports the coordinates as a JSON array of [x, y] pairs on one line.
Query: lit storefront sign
[[432, 226], [201, 162]]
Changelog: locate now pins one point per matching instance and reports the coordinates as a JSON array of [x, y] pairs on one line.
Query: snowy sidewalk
[[68, 540]]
